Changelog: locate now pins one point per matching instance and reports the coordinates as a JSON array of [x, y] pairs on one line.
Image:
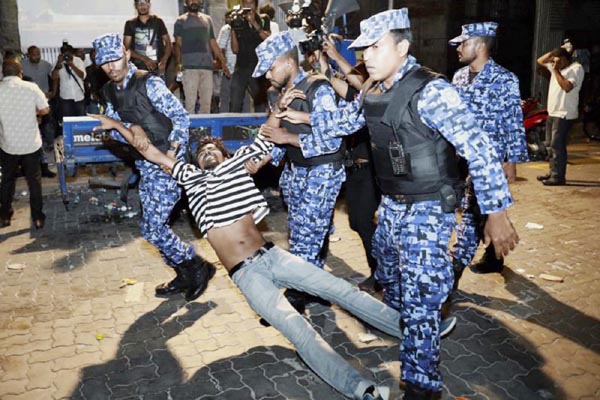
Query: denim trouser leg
[[558, 146], [260, 282]]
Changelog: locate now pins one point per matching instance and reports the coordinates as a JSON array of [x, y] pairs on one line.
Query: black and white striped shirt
[[226, 194]]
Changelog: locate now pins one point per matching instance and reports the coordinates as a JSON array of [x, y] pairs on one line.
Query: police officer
[[491, 93], [142, 100], [417, 121], [313, 175]]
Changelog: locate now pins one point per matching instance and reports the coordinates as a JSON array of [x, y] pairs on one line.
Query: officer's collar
[[407, 66], [132, 70]]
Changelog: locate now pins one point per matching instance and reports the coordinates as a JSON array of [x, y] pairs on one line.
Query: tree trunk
[[9, 25]]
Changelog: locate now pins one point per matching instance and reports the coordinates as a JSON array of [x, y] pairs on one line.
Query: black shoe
[[414, 392], [554, 182], [175, 286], [46, 173], [197, 273], [370, 285], [4, 222], [297, 299], [542, 178], [488, 264]]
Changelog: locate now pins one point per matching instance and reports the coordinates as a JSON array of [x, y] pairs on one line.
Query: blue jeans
[[557, 131], [261, 279]]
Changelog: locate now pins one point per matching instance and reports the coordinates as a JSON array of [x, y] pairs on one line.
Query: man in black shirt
[[147, 38], [243, 43]]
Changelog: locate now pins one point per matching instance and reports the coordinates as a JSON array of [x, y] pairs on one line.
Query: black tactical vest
[[431, 160], [134, 106], [309, 86]]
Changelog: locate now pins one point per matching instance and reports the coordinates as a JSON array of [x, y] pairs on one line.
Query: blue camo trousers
[[159, 193], [414, 268], [469, 233], [310, 194]]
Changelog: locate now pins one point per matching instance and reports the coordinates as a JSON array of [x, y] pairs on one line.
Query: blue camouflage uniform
[[309, 192], [411, 241], [493, 97], [158, 191]]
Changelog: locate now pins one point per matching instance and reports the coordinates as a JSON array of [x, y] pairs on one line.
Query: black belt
[[263, 249]]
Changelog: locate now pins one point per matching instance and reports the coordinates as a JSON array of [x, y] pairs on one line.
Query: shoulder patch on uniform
[[450, 96], [329, 103]]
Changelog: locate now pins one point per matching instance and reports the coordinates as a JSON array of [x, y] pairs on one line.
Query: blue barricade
[[82, 146]]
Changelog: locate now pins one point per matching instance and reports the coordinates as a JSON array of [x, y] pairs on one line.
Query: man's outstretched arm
[[132, 135]]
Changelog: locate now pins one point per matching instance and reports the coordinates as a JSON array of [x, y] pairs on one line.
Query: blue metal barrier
[[79, 145]]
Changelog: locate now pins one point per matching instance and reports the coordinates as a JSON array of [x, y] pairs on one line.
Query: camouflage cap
[[374, 28], [474, 30], [109, 47], [271, 48]]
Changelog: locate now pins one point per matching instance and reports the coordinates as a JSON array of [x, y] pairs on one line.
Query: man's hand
[[294, 116], [140, 139], [106, 123], [276, 135], [501, 232], [510, 170], [226, 70], [252, 167], [330, 49], [150, 64], [290, 96]]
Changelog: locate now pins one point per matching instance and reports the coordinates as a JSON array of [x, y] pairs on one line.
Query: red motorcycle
[[534, 120]]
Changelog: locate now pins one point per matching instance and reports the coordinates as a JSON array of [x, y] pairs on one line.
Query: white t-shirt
[[224, 42], [69, 89], [19, 102], [560, 103]]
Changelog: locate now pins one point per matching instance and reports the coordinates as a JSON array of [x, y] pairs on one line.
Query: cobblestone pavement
[[69, 330]]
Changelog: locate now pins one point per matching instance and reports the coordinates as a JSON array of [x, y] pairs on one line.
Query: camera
[[313, 42], [68, 57], [303, 15], [238, 18]]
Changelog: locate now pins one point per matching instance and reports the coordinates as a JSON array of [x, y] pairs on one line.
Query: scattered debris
[[520, 271], [333, 239], [93, 201], [99, 336], [529, 276], [126, 282], [366, 337], [533, 225], [551, 278], [16, 267]]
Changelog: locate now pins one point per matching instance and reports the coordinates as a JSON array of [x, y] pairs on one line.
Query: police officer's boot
[[197, 273], [177, 285], [488, 263], [414, 392]]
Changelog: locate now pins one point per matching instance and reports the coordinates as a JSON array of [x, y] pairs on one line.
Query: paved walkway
[[69, 330]]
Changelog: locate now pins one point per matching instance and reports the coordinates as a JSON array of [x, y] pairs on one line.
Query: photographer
[[69, 74], [250, 29]]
